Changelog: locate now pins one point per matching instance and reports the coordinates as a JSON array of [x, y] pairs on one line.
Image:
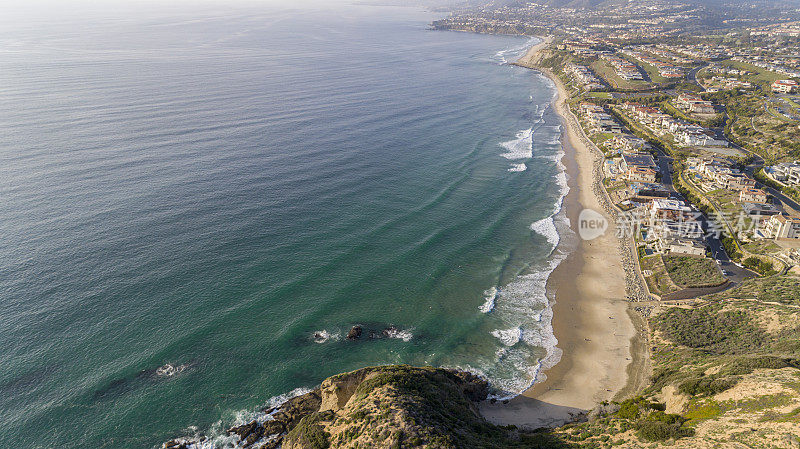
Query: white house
[[782, 227]]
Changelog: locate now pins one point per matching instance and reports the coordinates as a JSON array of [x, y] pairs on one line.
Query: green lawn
[[607, 72], [604, 95], [762, 76], [673, 272]]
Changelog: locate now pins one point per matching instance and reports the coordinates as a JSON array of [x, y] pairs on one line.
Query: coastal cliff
[[384, 407]]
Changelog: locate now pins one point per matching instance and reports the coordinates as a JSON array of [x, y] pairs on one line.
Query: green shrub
[[309, 434], [746, 365], [711, 330], [762, 267], [666, 418], [653, 430], [628, 409], [706, 386]]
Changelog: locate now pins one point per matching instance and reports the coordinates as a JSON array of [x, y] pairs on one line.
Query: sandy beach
[[603, 355]]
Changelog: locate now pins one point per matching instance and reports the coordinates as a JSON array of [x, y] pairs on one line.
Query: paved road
[[758, 164], [734, 273], [692, 75]]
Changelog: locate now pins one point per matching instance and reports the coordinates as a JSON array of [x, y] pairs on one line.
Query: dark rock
[[253, 437], [474, 387], [273, 428], [390, 331], [493, 400], [244, 430], [272, 444], [355, 333], [175, 444], [293, 410]]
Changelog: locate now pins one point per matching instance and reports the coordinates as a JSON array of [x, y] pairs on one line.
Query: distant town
[[694, 111], [697, 110]]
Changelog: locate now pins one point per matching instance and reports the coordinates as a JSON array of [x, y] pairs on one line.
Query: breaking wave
[[521, 147], [169, 370], [402, 334], [217, 437], [515, 52], [324, 335], [547, 228], [488, 300]]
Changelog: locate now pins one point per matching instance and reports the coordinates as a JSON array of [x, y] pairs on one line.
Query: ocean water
[[198, 202]]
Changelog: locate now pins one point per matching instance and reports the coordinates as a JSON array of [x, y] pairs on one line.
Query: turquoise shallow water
[[195, 207]]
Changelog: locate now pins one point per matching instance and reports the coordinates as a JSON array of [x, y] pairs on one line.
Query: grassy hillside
[[726, 375], [384, 407]]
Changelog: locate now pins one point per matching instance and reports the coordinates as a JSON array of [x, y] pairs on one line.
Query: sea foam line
[[523, 305], [521, 147], [515, 52]]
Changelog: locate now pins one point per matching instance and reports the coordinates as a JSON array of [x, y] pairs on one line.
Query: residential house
[[643, 160], [752, 195], [630, 143], [735, 181], [641, 174], [691, 247], [693, 103], [786, 172], [702, 107], [782, 227], [784, 86], [670, 218]]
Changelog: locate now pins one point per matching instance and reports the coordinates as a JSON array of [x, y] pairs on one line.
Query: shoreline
[[600, 335]]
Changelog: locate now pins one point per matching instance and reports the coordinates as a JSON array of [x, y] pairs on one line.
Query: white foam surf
[[518, 168], [523, 307], [529, 345], [547, 228], [521, 147], [169, 370], [515, 52], [323, 336], [488, 300], [217, 437], [509, 337], [401, 334]]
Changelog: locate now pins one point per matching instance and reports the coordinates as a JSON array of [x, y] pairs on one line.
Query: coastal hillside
[[384, 407], [726, 375]]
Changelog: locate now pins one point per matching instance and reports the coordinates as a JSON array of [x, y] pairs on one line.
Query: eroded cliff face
[[390, 407], [385, 406]]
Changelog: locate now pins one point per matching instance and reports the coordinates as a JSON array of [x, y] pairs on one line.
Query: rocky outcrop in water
[[355, 333]]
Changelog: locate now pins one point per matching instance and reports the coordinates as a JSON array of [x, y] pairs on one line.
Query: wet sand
[[592, 318]]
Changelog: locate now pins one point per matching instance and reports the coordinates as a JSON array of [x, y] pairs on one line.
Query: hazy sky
[[27, 13]]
